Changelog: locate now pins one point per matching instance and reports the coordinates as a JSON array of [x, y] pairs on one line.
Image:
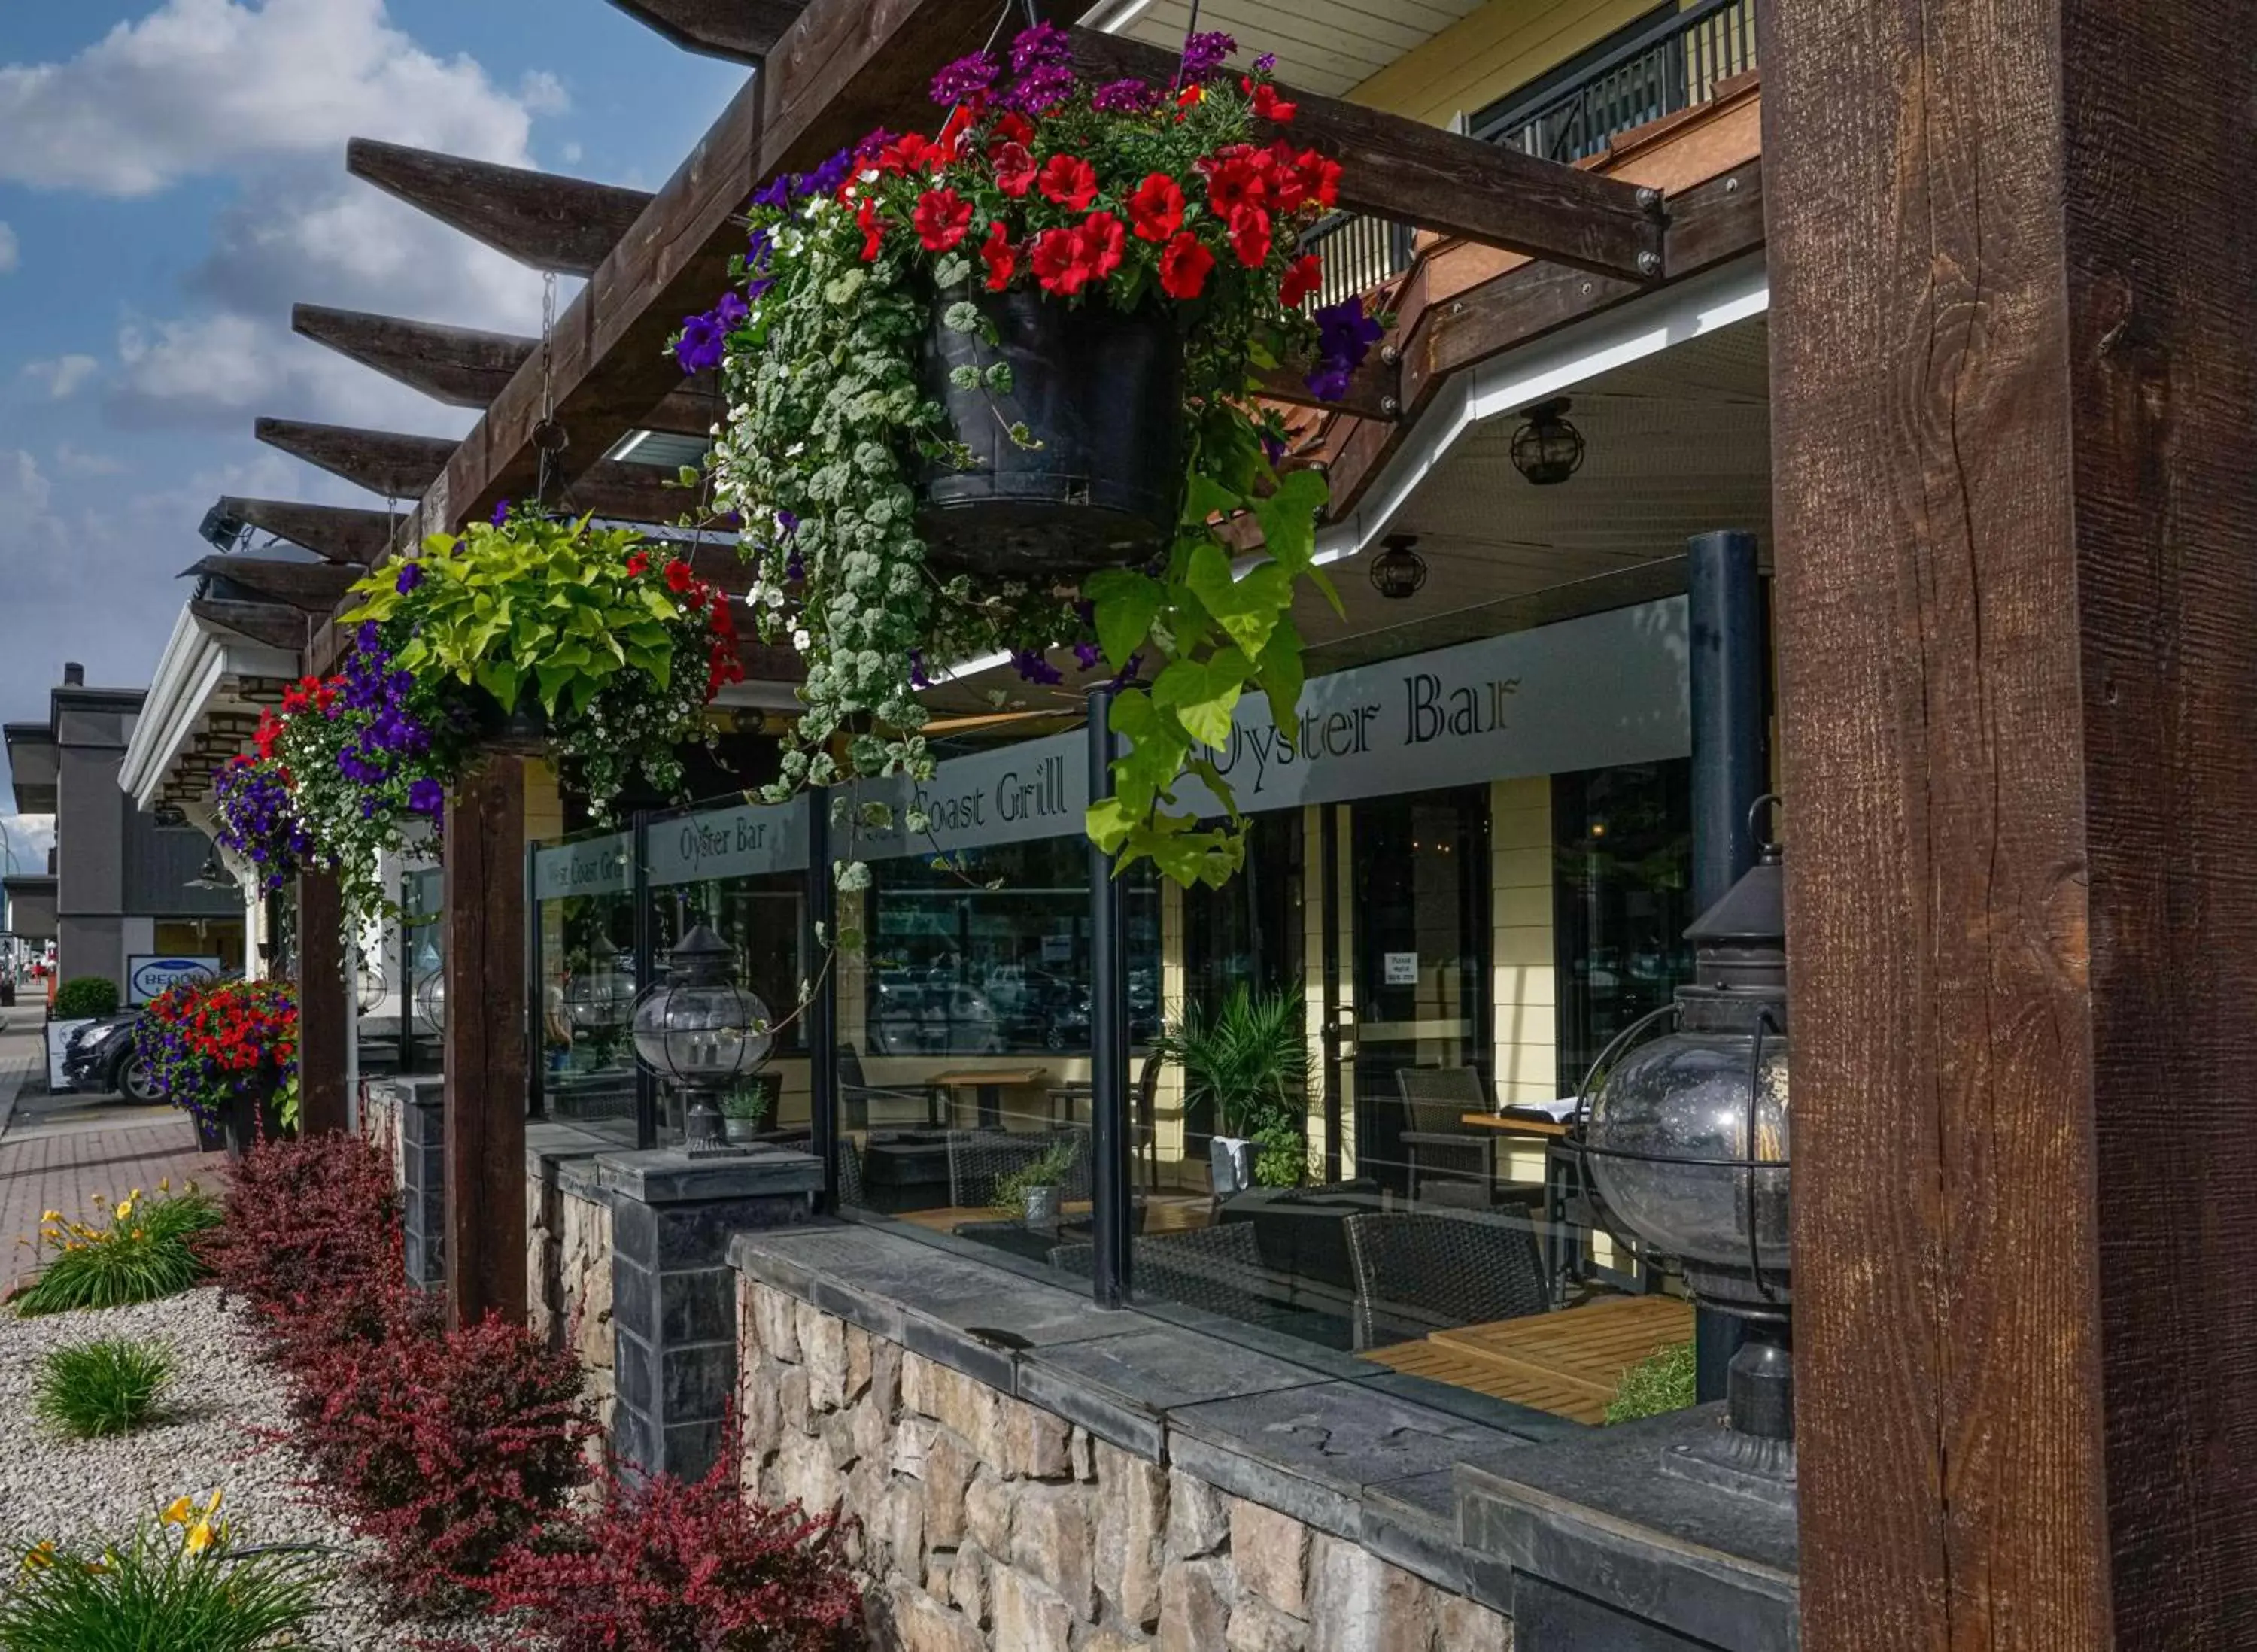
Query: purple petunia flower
[[730, 313], [410, 575], [1266, 64], [1272, 449], [1087, 654], [702, 344], [1042, 88], [426, 796], [1125, 97], [918, 679], [1345, 336], [1043, 43], [1035, 669], [1204, 54], [501, 517], [965, 78], [366, 638], [775, 195], [1128, 673], [826, 178]]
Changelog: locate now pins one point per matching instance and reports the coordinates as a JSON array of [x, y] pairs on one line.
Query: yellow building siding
[[1503, 45], [1523, 991]]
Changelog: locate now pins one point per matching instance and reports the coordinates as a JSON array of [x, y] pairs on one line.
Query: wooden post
[[486, 1042], [324, 1013], [2014, 382]]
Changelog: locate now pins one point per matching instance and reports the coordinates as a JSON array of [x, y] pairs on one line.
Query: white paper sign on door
[[1400, 968]]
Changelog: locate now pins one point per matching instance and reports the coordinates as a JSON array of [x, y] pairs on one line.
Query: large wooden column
[[2014, 382], [485, 1039], [324, 1010]]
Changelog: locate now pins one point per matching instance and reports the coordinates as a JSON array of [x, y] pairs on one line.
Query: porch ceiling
[[1329, 46]]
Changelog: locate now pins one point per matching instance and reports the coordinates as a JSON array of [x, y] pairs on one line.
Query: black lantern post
[[1685, 1140], [700, 1031]]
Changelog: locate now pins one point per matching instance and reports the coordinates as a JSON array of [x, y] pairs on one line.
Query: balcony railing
[[1677, 63]]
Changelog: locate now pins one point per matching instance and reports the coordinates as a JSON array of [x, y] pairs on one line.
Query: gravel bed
[[226, 1406]]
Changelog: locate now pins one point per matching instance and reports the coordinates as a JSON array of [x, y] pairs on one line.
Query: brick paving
[[59, 1151]]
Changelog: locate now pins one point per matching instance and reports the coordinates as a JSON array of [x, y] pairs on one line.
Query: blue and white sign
[[146, 976]]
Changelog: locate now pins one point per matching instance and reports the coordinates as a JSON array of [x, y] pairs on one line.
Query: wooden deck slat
[[1568, 1363]]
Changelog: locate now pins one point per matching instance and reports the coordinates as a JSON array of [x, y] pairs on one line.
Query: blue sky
[[171, 179]]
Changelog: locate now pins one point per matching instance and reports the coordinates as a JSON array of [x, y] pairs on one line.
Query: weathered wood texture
[[335, 533], [564, 224], [315, 587], [485, 1042], [324, 1010], [1405, 169], [402, 466], [2013, 368], [742, 31], [465, 368], [270, 623]]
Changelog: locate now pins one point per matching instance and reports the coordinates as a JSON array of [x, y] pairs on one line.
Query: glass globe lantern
[[701, 1032], [1684, 1137], [1547, 449], [431, 1000], [603, 994]]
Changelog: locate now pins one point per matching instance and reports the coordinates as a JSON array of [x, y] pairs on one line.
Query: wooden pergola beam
[[2013, 475], [844, 67], [1407, 172], [1709, 225], [403, 466], [565, 225], [315, 587], [271, 622], [337, 534], [741, 30], [464, 367]]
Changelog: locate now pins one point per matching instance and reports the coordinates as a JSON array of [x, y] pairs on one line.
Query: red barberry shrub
[[448, 1447], [660, 1565], [312, 1231]]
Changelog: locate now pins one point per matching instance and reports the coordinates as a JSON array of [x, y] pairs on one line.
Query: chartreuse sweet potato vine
[[1187, 200]]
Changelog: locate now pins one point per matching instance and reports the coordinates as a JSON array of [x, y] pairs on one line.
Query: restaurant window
[[986, 951], [585, 994], [1623, 896]]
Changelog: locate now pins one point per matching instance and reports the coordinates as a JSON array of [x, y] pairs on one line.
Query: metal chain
[[550, 438]]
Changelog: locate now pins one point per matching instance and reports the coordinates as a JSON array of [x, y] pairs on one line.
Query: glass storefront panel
[[586, 985]]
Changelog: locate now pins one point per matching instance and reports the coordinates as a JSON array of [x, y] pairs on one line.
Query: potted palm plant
[[1248, 1060]]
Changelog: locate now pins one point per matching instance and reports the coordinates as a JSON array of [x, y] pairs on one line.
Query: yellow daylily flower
[[177, 1512], [41, 1556], [124, 1209], [51, 1216], [200, 1537], [164, 1184]]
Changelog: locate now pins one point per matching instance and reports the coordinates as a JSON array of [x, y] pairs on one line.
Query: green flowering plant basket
[[870, 322]]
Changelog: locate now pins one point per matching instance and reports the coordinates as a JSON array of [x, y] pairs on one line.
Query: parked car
[[101, 1056]]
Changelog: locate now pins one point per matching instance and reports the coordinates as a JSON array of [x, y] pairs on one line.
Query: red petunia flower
[[1015, 169], [1192, 94], [1184, 267], [1062, 262], [1303, 276], [1236, 183], [873, 228], [678, 576], [1069, 181], [1000, 256], [638, 565], [1105, 236], [1156, 208], [942, 219], [1011, 127], [912, 151], [1270, 107], [1250, 236], [1319, 177]]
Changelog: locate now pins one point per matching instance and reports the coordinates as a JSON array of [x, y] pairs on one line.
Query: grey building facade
[[123, 881]]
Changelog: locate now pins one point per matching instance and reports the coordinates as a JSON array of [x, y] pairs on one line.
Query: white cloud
[[542, 93], [206, 86], [10, 250], [28, 838], [572, 154], [63, 375], [76, 462]]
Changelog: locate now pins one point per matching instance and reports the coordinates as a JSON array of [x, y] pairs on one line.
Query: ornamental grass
[[180, 1583], [111, 1387], [1662, 1382], [145, 1251]]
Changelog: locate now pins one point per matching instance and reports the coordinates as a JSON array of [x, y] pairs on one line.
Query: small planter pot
[[1230, 1163], [743, 1132], [250, 1118], [522, 728], [211, 1133], [1043, 1208], [1102, 393]]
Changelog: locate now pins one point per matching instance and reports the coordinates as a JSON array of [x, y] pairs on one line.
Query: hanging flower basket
[[222, 1051], [1102, 484], [994, 391]]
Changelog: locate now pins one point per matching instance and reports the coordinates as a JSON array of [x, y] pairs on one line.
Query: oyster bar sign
[[1586, 693]]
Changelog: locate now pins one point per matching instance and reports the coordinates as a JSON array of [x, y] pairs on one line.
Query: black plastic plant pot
[[211, 1133], [250, 1119], [522, 727], [1100, 392]]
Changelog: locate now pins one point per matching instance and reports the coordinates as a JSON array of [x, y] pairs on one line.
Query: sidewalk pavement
[[58, 1152]]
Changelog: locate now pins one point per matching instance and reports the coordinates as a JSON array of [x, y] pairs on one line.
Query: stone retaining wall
[[982, 1522], [568, 1274]]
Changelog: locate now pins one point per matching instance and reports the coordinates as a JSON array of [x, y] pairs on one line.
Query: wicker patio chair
[[1216, 1269], [850, 1174], [1423, 1271], [1434, 1140], [978, 1159], [1143, 1107]]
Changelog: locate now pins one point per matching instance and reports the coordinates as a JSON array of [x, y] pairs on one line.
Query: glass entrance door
[[1420, 917]]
